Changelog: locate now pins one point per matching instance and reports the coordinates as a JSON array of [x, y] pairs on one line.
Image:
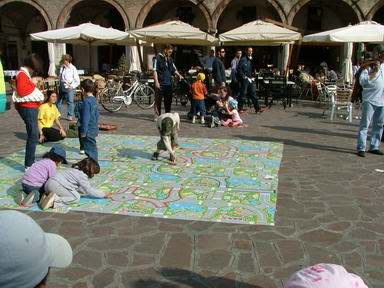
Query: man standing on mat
[[163, 70]]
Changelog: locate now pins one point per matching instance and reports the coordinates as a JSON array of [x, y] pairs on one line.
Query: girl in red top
[[199, 91], [25, 86]]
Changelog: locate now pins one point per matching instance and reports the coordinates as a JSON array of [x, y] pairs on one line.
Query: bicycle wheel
[[108, 99], [145, 96]]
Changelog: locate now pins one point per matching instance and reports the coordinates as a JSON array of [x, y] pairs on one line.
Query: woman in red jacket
[[26, 86]]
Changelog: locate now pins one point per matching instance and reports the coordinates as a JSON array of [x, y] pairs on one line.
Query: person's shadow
[[175, 276]]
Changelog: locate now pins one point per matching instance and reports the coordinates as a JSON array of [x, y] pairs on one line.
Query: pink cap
[[324, 276]]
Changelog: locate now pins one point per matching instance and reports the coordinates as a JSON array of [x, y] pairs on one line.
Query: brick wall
[[136, 10]]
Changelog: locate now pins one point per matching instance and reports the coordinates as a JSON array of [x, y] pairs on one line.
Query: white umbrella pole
[[90, 57], [347, 64], [285, 59], [140, 55], [51, 56]]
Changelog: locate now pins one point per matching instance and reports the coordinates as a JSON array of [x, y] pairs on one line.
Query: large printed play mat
[[219, 180]]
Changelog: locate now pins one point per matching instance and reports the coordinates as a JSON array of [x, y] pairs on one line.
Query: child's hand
[[109, 195], [172, 158]]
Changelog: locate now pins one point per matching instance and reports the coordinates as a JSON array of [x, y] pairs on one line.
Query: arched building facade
[[19, 18]]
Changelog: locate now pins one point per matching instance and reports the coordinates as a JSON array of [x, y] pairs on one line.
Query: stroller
[[182, 92]]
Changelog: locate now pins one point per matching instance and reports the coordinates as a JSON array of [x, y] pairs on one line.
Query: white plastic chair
[[342, 100]]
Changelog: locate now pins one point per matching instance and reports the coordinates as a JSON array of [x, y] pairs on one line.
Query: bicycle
[[114, 95]]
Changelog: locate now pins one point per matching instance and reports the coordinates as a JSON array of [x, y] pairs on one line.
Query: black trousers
[[52, 135], [165, 92], [248, 89]]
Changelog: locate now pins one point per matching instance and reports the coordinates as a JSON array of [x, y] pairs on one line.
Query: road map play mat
[[219, 180]]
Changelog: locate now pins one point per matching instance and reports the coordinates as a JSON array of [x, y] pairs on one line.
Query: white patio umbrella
[[85, 34], [366, 31], [259, 33], [173, 32], [347, 70], [51, 56]]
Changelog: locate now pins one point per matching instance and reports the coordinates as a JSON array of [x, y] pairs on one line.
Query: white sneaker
[[193, 120], [202, 121], [47, 201], [82, 152], [20, 197], [28, 201]]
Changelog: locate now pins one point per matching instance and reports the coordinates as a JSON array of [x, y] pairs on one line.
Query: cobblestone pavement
[[330, 209]]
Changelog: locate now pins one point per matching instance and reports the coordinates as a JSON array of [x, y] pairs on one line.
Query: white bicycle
[[119, 93]]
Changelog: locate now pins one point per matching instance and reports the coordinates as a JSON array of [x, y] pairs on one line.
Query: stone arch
[[66, 12], [151, 3], [374, 10], [223, 5], [301, 3], [35, 5]]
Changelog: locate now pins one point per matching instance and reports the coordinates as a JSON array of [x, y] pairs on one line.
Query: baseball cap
[[324, 276], [27, 252], [59, 151]]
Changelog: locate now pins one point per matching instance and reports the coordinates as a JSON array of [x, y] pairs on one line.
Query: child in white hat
[[27, 252], [324, 276]]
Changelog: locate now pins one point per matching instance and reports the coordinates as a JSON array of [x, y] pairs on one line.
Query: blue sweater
[[89, 117]]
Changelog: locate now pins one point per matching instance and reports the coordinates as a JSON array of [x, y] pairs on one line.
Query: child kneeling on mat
[[37, 175], [66, 186], [168, 125]]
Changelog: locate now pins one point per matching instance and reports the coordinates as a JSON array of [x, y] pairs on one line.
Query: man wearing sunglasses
[[218, 69]]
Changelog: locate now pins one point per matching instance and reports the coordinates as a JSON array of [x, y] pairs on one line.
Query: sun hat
[[59, 151], [201, 76], [324, 276], [27, 252], [233, 104]]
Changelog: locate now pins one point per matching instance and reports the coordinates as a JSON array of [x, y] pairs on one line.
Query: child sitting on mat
[[235, 120], [37, 175], [168, 125], [66, 186]]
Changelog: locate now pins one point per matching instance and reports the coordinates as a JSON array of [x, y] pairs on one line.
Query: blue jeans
[[198, 106], [30, 189], [90, 147], [376, 114], [29, 116], [246, 89], [68, 95]]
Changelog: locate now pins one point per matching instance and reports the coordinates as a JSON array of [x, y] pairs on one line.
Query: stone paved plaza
[[330, 208]]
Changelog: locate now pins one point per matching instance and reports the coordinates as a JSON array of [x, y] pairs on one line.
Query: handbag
[[35, 96]]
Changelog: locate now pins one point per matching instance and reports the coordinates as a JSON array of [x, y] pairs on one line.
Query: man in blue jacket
[[244, 72], [218, 69], [163, 71]]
